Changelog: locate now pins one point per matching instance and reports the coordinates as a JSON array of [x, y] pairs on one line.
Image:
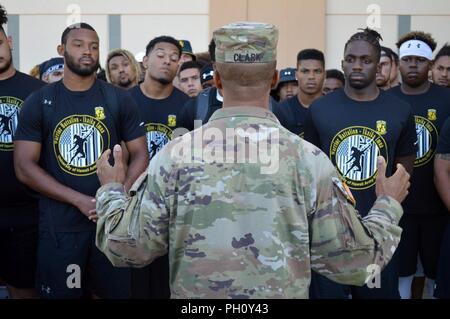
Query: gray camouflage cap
[[246, 42]]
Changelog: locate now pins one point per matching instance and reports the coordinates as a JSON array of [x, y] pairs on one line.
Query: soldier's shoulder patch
[[343, 188]]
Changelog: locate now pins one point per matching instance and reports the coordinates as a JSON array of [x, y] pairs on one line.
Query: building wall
[[344, 17], [41, 34], [322, 24], [301, 23], [41, 23]]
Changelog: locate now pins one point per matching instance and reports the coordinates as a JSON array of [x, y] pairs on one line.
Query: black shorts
[[18, 246], [324, 288], [152, 281], [422, 236], [443, 274], [71, 266]]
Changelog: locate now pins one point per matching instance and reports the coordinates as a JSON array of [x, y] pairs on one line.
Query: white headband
[[416, 48], [54, 68]]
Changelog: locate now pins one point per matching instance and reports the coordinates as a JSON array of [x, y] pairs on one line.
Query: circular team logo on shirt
[[158, 135], [427, 137], [78, 142], [9, 117], [354, 153]]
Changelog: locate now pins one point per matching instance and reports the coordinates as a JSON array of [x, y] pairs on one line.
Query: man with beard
[[384, 72], [441, 67], [354, 126], [159, 103], [18, 210], [69, 264], [158, 100], [425, 215], [122, 69], [310, 75]]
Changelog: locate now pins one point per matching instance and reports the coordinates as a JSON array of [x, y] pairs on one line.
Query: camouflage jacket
[[233, 232]]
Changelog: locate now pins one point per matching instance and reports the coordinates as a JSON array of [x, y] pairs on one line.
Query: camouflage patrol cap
[[246, 42]]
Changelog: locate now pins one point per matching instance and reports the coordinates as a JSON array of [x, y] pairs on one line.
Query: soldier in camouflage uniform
[[233, 230]]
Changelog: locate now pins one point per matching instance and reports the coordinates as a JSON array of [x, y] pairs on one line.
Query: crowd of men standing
[[58, 121]]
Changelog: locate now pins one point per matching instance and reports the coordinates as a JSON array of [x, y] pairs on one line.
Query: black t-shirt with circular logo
[[430, 110], [17, 207], [159, 116], [353, 134], [74, 132]]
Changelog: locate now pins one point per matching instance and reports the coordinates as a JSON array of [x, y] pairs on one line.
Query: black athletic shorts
[[18, 246], [70, 266], [422, 236]]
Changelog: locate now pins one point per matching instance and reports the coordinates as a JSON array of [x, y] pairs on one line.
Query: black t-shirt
[[17, 207], [160, 116], [292, 115], [430, 109], [354, 133], [443, 146], [187, 113], [79, 127]]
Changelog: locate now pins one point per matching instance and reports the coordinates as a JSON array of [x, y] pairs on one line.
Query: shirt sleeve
[[443, 146], [280, 110], [131, 124], [187, 116], [30, 126], [133, 230], [311, 134], [406, 144], [345, 247]]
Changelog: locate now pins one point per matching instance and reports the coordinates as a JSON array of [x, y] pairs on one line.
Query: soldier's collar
[[244, 111]]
